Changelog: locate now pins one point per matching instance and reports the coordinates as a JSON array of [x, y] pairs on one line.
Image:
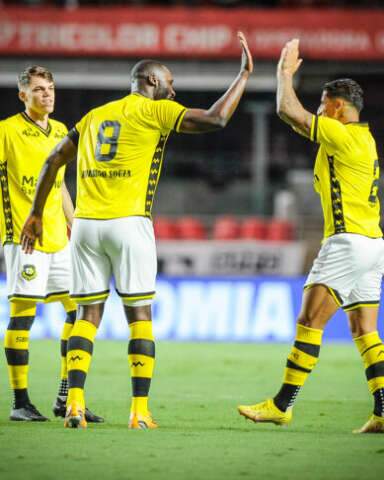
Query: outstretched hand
[[246, 57], [289, 59], [32, 230]]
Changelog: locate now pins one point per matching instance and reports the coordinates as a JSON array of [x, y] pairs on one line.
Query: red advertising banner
[[190, 33]]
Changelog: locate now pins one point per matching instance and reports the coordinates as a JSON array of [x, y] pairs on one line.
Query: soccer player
[[120, 150], [25, 140], [348, 270]]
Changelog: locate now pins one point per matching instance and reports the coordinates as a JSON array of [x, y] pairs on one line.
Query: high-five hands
[[289, 61], [246, 57]]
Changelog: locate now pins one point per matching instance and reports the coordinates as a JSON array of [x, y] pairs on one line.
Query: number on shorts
[[110, 139], [375, 184]]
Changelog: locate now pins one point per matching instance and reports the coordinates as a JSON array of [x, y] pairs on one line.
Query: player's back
[[347, 177], [120, 152]]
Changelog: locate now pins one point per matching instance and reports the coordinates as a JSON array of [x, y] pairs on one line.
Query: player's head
[[339, 97], [153, 78], [37, 90]]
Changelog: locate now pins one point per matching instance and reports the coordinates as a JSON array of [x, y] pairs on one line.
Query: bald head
[[144, 68], [153, 79]]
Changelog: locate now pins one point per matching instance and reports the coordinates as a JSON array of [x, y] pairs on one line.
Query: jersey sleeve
[[80, 125], [168, 114], [329, 132]]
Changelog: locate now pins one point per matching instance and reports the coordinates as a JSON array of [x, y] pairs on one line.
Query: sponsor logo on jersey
[[30, 132]]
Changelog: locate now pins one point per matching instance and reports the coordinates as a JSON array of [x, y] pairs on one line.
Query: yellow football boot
[[138, 421], [375, 424], [265, 412], [74, 417]]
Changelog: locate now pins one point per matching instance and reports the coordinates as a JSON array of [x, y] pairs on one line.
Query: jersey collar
[[361, 124], [28, 119]]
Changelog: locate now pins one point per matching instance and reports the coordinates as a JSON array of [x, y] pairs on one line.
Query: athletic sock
[[371, 349], [301, 361], [79, 355], [379, 402], [141, 358], [67, 329], [16, 343]]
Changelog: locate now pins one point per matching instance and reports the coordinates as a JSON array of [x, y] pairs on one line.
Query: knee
[[307, 319], [138, 314], [362, 322], [358, 330], [91, 313]]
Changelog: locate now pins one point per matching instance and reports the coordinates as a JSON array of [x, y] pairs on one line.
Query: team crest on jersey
[[29, 272]]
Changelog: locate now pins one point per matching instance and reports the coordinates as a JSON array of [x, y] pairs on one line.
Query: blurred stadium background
[[236, 219]]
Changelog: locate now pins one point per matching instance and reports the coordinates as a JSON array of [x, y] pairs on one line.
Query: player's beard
[[161, 93]]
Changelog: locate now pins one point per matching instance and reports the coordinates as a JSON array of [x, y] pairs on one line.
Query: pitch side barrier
[[252, 309]]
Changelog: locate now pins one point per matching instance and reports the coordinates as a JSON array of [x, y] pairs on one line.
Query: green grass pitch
[[194, 396]]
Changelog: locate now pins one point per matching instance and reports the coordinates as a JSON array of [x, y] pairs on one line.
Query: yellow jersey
[[24, 148], [346, 176], [120, 153]]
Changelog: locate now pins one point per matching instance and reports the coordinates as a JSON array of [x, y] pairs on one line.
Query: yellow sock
[[79, 355], [371, 349], [302, 359], [70, 308], [16, 343], [141, 358]]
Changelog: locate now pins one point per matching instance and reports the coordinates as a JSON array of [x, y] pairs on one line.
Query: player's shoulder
[[112, 105], [329, 122], [11, 121], [358, 127]]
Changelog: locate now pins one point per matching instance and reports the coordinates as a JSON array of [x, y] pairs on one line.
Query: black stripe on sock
[[290, 364], [286, 396], [379, 402], [20, 323], [372, 346], [309, 348], [16, 357], [80, 343], [20, 397], [63, 347], [71, 317], [140, 386], [76, 378], [375, 370], [141, 347]]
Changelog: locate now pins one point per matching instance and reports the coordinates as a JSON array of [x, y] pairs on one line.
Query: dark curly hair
[[347, 89]]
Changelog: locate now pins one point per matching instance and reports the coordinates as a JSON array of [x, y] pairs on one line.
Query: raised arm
[[289, 108], [217, 116], [61, 155]]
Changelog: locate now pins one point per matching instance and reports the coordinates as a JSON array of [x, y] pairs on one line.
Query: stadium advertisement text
[[230, 257], [188, 33], [259, 309]]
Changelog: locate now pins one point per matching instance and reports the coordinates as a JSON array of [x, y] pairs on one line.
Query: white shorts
[[38, 276], [351, 266], [122, 247]]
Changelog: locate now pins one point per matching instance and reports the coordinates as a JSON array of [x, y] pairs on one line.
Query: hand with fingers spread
[[246, 57], [289, 61], [32, 231]]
